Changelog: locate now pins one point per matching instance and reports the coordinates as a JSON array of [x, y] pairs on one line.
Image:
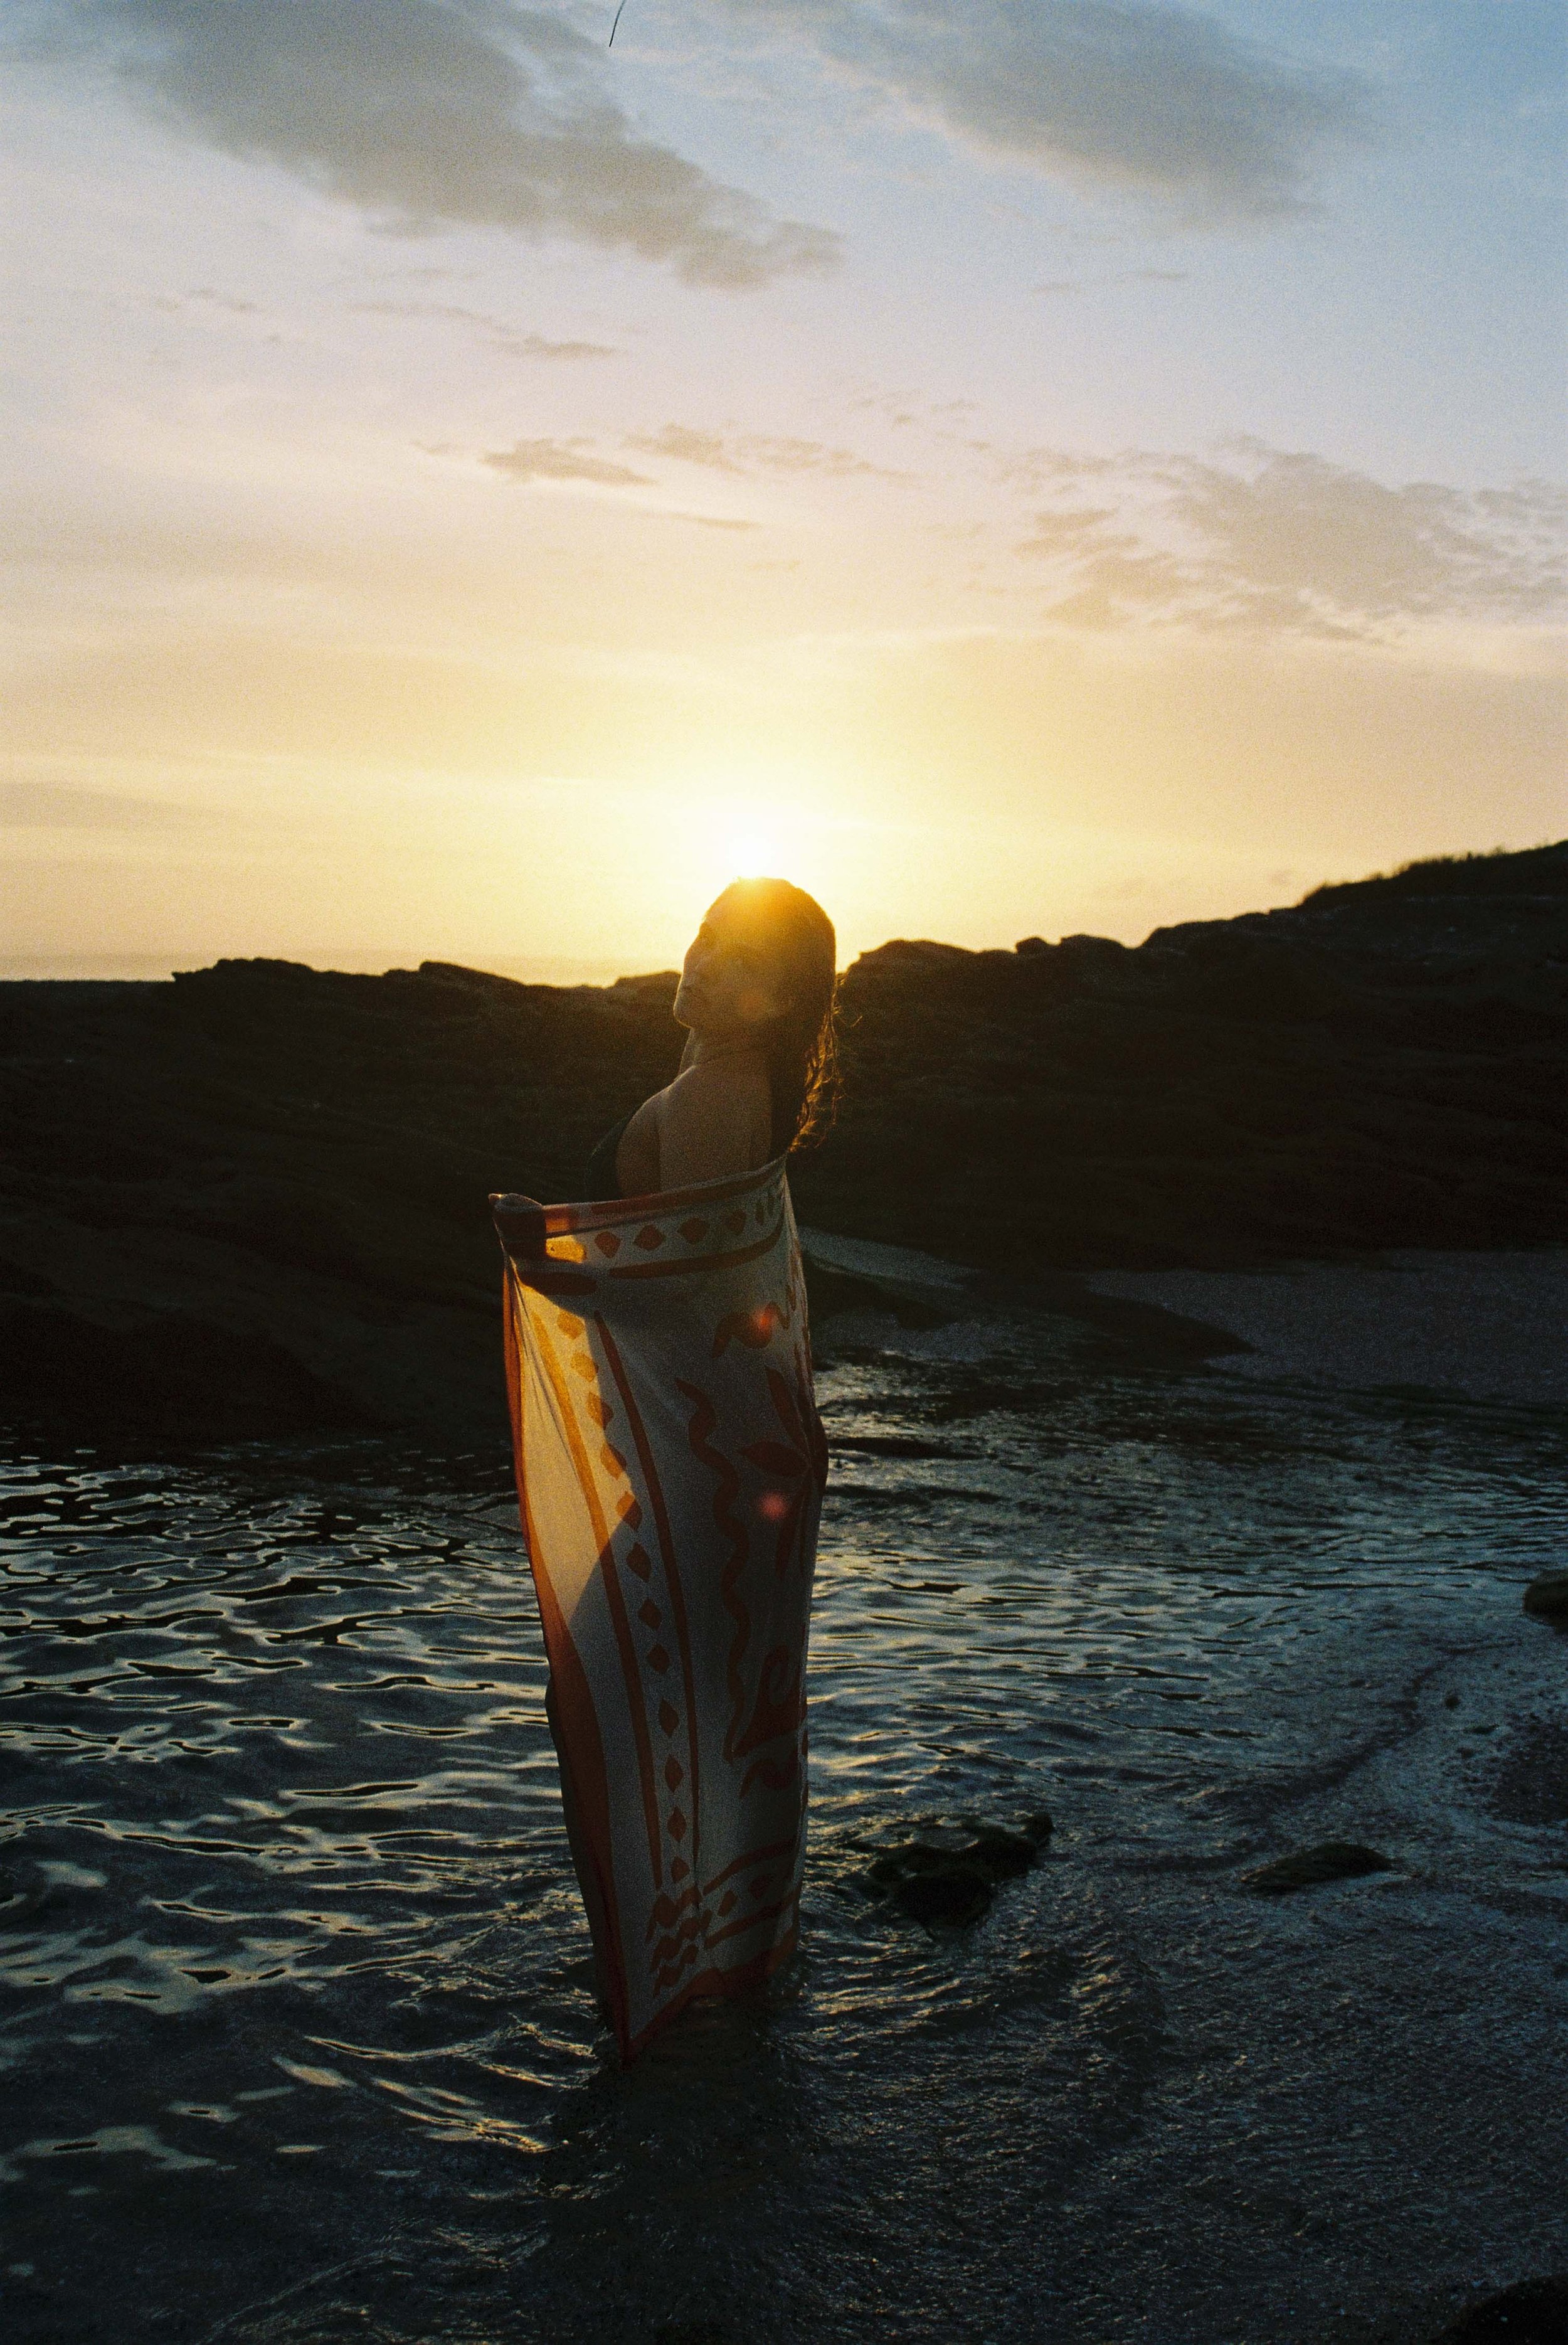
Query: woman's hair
[[793, 936]]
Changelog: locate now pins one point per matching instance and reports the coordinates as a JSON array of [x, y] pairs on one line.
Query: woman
[[758, 1073], [670, 1467]]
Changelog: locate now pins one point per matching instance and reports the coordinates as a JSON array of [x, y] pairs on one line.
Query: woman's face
[[726, 988]]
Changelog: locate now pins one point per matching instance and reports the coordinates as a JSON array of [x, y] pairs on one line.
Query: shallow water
[[297, 2025]]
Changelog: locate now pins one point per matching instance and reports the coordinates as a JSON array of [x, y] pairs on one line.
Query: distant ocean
[[152, 967]]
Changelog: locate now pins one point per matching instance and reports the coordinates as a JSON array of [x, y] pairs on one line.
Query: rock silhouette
[[952, 1878], [1309, 1868], [1546, 1598], [1531, 2312], [255, 1201]]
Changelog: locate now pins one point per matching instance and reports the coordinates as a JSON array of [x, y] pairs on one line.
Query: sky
[[1015, 467]]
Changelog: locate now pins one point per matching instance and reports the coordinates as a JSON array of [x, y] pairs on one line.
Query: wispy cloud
[[1137, 94], [428, 113], [688, 446], [497, 332], [562, 460], [702, 521], [214, 299], [1262, 538], [752, 453], [743, 455], [65, 805]]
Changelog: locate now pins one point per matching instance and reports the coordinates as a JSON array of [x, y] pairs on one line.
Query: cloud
[[785, 455], [751, 452], [428, 113], [61, 806], [704, 521], [560, 459], [1269, 539], [744, 454], [217, 300], [497, 332], [688, 446], [1133, 95]]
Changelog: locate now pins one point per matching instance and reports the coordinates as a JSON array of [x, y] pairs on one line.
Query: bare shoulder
[[714, 1119], [637, 1156]]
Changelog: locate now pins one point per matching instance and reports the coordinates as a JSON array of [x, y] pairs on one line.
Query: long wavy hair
[[793, 936]]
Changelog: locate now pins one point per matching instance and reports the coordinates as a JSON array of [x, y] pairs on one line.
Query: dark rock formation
[[1309, 1868], [951, 1877], [1531, 2312], [1385, 1065], [256, 1200], [1546, 1599]]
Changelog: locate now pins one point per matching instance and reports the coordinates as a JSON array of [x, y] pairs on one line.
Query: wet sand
[[1476, 1326]]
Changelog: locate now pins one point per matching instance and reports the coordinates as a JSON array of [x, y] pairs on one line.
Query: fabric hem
[[712, 1986]]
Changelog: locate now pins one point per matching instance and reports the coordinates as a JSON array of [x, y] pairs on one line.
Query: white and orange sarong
[[670, 1467]]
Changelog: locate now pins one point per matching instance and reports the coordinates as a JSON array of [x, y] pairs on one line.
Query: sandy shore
[[1484, 1326]]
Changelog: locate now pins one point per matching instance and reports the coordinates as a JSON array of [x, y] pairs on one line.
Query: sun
[[752, 851]]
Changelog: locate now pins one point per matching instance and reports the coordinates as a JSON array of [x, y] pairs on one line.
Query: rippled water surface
[[299, 2039]]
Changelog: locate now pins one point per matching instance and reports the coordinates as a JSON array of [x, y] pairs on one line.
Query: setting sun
[[754, 852]]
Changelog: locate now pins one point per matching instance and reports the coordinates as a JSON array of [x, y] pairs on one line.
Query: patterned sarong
[[670, 1466]]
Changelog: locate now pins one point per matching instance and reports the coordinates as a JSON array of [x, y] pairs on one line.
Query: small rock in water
[[1531, 2312], [1546, 1599], [949, 1893], [953, 1880], [1004, 1855], [1331, 1860]]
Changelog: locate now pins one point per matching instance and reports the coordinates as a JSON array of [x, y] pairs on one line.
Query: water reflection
[[299, 2016]]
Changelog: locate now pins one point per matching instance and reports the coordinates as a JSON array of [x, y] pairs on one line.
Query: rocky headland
[[255, 1201]]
